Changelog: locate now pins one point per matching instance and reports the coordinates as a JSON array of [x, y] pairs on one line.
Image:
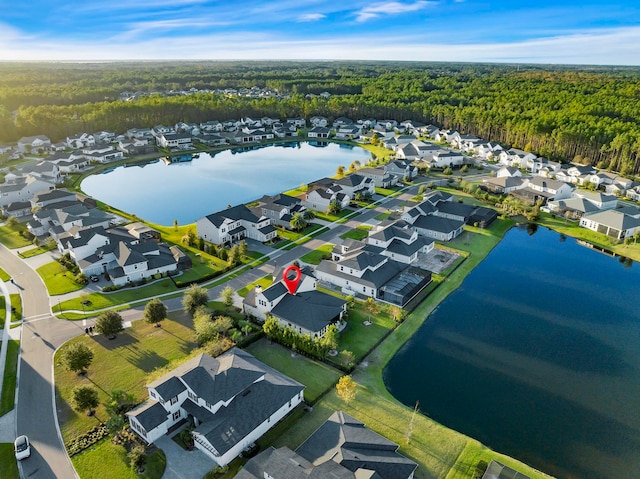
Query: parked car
[[22, 447], [94, 278]]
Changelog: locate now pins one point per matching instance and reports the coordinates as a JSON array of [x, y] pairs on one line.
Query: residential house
[[446, 158], [279, 209], [22, 189], [342, 447], [306, 310], [17, 209], [488, 151], [613, 223], [348, 132], [497, 470], [515, 157], [402, 169], [232, 401], [508, 172], [543, 189], [355, 183], [212, 139], [80, 140], [318, 121], [50, 196], [319, 132], [33, 143], [380, 176], [298, 122], [365, 271], [319, 197], [234, 224], [504, 184], [399, 242], [174, 141], [102, 154]]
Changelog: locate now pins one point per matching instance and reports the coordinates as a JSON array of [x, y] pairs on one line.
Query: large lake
[[537, 355], [186, 191]]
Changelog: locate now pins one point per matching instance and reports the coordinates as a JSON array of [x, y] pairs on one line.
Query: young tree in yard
[[109, 324], [330, 338], [205, 330], [334, 207], [85, 398], [308, 215], [49, 243], [222, 324], [243, 248], [175, 225], [398, 314], [340, 171], [137, 458], [347, 389], [77, 358], [298, 222], [227, 296], [155, 311], [12, 221], [234, 255], [193, 297], [372, 307]]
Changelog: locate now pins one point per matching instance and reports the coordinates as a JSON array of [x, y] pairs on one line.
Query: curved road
[[42, 334]]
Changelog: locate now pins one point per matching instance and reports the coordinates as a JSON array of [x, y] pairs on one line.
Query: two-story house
[[234, 224]]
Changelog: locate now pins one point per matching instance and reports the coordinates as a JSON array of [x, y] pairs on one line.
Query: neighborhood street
[[42, 334]]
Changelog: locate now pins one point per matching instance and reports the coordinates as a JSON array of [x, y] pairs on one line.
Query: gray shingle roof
[[311, 310], [150, 414], [437, 223]]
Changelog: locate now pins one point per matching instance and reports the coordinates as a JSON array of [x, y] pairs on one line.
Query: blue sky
[[543, 31]]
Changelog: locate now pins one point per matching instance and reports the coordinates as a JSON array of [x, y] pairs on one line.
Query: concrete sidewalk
[[8, 421]]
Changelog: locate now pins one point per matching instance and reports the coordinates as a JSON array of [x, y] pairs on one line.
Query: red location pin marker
[[292, 283]]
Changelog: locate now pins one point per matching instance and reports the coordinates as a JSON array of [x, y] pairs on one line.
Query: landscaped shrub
[[88, 439]]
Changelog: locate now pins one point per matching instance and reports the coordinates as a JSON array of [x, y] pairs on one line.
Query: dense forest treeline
[[559, 112]]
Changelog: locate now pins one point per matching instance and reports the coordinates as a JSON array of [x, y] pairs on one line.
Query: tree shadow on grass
[[121, 339], [145, 360]]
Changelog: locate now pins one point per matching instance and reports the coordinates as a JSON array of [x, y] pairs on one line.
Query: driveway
[[183, 464]]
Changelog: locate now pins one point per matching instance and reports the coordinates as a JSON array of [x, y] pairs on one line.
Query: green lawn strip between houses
[[7, 400], [3, 311], [4, 276], [314, 257], [38, 250], [8, 464], [264, 282], [16, 307], [359, 233], [126, 363], [94, 462], [317, 377], [58, 279], [10, 236]]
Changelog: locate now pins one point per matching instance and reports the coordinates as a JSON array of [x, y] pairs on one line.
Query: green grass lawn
[[296, 235], [57, 279], [16, 304], [3, 311], [357, 337], [317, 377], [317, 255], [123, 363], [36, 251], [8, 463], [4, 276], [11, 237], [359, 233], [103, 456], [343, 214], [386, 191], [122, 297], [7, 402], [383, 216], [265, 282]]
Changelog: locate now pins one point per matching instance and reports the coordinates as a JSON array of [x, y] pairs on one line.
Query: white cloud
[[616, 46], [389, 8], [311, 17]]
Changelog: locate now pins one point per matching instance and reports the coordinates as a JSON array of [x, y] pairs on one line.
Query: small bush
[[88, 439]]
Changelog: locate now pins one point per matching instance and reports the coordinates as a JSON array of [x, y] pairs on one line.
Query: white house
[[232, 401], [615, 224], [306, 311], [234, 224]]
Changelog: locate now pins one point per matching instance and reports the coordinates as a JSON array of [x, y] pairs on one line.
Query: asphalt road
[[42, 334]]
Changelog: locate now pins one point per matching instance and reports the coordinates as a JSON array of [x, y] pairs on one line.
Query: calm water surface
[[537, 355], [187, 191]]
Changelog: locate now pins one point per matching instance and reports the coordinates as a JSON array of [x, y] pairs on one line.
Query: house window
[[174, 400], [193, 397], [152, 394], [176, 415]]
